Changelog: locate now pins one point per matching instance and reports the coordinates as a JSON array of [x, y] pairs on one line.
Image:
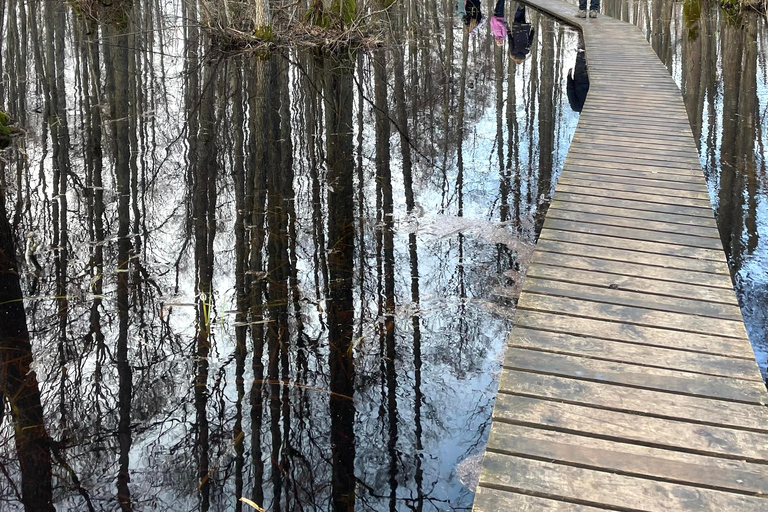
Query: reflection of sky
[[462, 339]]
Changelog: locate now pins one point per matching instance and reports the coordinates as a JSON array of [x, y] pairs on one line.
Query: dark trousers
[[594, 5], [498, 11]]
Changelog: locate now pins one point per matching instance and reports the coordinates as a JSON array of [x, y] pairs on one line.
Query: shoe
[[581, 14], [593, 14]]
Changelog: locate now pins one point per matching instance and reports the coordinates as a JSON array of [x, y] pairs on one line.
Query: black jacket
[[578, 83], [520, 39]]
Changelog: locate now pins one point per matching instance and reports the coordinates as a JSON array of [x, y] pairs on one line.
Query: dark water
[[283, 277], [720, 62]]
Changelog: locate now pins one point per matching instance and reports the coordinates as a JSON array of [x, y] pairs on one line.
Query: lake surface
[[287, 277]]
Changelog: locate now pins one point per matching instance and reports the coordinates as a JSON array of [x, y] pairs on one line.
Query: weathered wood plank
[[630, 459], [589, 291], [683, 245], [697, 198], [677, 213], [629, 255], [635, 428], [596, 161], [639, 334], [631, 400], [636, 178], [637, 284], [586, 206], [493, 500], [632, 315], [631, 222], [601, 488], [668, 179], [619, 159], [704, 210], [642, 355], [642, 375], [661, 273]]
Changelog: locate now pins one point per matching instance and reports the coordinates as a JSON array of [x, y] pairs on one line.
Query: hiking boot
[[593, 14], [581, 14]]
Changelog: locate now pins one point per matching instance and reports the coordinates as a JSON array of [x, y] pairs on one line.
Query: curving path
[[629, 383]]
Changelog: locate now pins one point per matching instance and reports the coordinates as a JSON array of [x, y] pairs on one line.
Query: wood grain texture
[[629, 383]]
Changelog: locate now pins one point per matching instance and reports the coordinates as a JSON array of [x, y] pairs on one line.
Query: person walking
[[577, 85], [473, 16], [594, 6], [520, 37], [499, 25]]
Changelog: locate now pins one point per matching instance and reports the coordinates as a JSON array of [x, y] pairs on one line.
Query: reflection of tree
[[341, 312], [546, 128], [737, 161], [118, 86], [203, 188], [194, 186], [18, 381]]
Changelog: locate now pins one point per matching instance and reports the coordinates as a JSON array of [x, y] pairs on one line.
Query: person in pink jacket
[[499, 25]]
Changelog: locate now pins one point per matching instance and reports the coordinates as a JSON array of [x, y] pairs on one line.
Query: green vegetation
[[6, 130], [340, 13]]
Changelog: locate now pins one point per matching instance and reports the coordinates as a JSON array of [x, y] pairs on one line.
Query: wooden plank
[[616, 157], [704, 209], [651, 120], [628, 255], [632, 165], [618, 111], [586, 486], [683, 323], [641, 284], [639, 334], [493, 500], [659, 404], [603, 232], [617, 140], [588, 291], [630, 222], [665, 154], [676, 212], [635, 178], [638, 375], [629, 353], [610, 170], [565, 203], [626, 132], [629, 459], [634, 428], [697, 198], [681, 245]]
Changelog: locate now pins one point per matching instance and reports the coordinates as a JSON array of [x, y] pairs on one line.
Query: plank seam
[[633, 412], [555, 331], [605, 437], [644, 476]]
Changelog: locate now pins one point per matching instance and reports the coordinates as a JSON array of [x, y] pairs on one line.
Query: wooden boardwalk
[[629, 383]]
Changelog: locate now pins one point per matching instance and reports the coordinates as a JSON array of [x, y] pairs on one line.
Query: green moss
[[691, 16], [264, 34], [5, 130], [346, 10], [340, 14]]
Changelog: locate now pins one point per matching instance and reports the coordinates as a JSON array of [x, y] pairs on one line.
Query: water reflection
[[719, 62], [286, 278]]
